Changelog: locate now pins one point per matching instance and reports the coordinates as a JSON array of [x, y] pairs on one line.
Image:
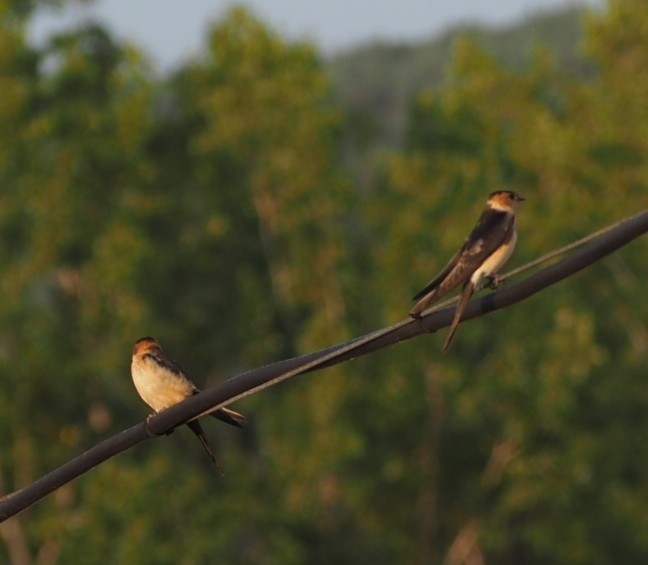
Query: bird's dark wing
[[493, 228], [439, 278], [230, 417], [163, 360], [466, 294], [196, 428], [491, 231]]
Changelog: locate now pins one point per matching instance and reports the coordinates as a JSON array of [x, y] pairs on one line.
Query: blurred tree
[[250, 137], [527, 462], [210, 211], [75, 118], [22, 10]]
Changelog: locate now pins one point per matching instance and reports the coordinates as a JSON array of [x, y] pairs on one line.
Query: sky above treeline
[[170, 31]]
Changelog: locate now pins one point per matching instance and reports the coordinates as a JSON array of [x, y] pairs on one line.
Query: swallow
[[161, 383], [482, 255]]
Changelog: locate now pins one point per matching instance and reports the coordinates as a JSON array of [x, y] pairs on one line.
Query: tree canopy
[[223, 210]]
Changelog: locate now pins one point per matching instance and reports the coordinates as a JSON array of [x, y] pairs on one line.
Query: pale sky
[[170, 31]]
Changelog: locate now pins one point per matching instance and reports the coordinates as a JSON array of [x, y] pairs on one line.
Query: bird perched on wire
[[483, 254], [161, 383]]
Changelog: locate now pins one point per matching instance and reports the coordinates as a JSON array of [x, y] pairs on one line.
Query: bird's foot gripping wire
[[492, 281], [150, 432]]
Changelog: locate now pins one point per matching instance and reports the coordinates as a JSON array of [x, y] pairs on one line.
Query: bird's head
[[504, 200], [146, 345]]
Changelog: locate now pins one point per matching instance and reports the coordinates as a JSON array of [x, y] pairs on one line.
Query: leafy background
[[263, 201]]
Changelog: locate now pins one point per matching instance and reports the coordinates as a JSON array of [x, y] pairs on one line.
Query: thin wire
[[544, 258], [379, 333], [315, 363], [567, 248]]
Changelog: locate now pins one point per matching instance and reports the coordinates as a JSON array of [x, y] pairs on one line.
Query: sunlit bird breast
[[496, 260], [159, 387]]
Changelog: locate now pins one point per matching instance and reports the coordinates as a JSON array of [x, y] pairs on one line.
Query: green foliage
[[375, 83], [537, 381], [210, 209], [21, 10]]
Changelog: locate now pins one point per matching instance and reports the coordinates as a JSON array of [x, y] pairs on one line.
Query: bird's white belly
[[495, 262], [158, 387]]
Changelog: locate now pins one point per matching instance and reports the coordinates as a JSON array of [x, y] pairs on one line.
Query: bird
[[483, 254], [162, 383]]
